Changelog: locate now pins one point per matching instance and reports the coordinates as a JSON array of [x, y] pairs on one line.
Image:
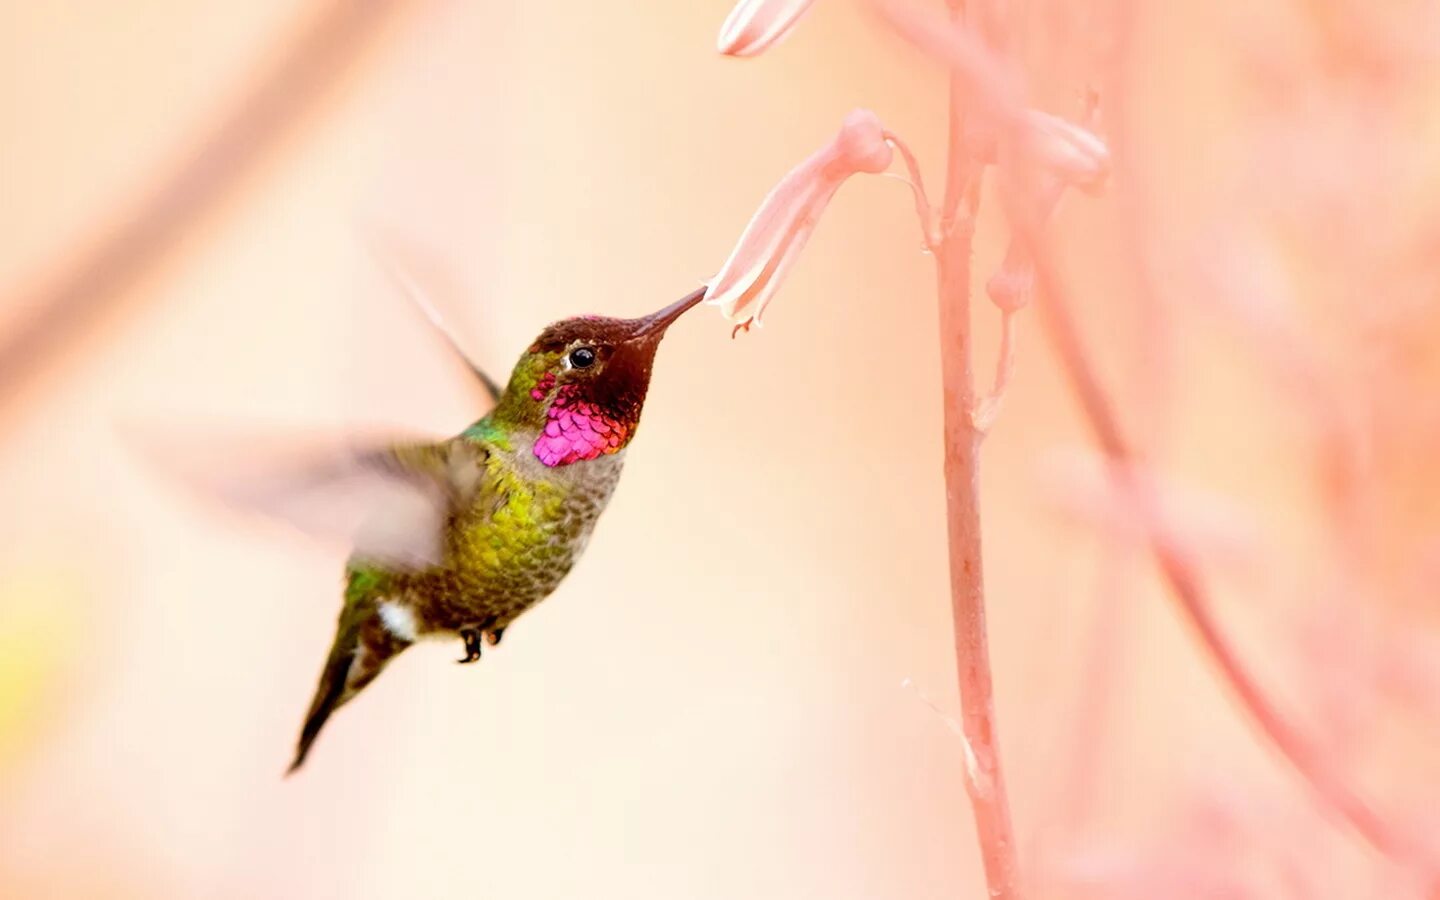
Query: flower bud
[[1061, 148]]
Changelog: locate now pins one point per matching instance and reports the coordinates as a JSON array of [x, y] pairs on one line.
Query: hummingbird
[[506, 506]]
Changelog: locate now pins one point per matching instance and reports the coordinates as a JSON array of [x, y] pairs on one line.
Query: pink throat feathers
[[575, 430]]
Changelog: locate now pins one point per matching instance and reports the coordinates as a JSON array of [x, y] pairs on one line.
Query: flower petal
[[750, 304], [754, 25], [776, 234], [768, 235]]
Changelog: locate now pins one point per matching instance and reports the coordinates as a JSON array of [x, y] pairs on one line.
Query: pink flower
[[778, 230], [1051, 154], [1063, 149], [753, 25], [1051, 145]]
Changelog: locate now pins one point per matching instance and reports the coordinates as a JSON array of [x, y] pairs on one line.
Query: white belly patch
[[399, 620]]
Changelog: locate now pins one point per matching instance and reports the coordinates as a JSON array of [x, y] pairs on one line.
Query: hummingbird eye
[[582, 358]]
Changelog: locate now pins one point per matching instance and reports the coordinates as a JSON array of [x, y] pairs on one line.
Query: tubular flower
[[780, 227], [1053, 154], [753, 25], [1077, 157]]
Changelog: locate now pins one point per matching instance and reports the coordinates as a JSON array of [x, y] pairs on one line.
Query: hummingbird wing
[[423, 486], [388, 499], [387, 258]]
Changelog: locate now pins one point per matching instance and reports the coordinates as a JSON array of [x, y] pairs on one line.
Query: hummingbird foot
[[493, 636], [472, 645]]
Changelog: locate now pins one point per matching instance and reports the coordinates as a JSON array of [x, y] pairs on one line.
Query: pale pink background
[[711, 706]]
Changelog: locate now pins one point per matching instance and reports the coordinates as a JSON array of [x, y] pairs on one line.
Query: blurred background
[[711, 705]]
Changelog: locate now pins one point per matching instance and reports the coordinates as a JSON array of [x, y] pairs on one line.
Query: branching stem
[[984, 775]]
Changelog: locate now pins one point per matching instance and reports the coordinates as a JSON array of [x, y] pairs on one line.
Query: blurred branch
[[1186, 585], [90, 279], [1328, 783]]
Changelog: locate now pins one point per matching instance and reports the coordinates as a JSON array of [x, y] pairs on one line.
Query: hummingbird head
[[582, 383]]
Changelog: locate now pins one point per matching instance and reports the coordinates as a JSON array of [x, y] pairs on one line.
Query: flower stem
[[984, 776], [928, 226], [989, 407]]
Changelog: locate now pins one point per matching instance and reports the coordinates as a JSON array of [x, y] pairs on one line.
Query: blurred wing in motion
[[388, 258], [387, 499]]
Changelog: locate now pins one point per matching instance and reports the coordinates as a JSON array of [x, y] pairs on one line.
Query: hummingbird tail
[[362, 648], [327, 698]]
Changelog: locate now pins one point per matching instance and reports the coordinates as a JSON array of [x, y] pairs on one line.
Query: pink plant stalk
[[1039, 155], [1029, 251], [1042, 146]]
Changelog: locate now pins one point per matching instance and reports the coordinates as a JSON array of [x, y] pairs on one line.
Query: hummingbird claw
[[472, 645], [493, 636]]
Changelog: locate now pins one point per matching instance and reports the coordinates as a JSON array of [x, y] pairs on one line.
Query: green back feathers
[[489, 431]]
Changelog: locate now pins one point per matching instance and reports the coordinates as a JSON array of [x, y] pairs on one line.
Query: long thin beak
[[656, 323]]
